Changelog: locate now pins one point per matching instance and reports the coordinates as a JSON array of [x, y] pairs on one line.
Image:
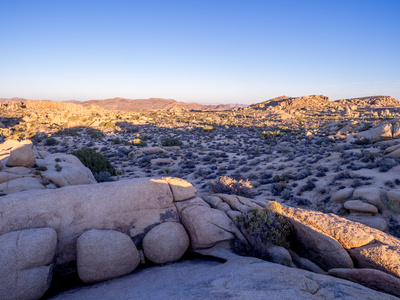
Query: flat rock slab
[[349, 234], [244, 278], [371, 278]]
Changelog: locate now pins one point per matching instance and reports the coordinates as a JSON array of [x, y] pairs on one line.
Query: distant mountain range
[[143, 104], [285, 103]]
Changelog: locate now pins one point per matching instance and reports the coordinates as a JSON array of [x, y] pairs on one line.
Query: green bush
[[170, 141], [95, 161]]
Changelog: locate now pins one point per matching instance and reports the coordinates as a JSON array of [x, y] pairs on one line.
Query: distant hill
[[151, 104], [142, 104], [294, 103], [15, 99], [320, 102]]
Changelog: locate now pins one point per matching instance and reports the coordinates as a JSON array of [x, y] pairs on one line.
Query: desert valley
[[292, 183]]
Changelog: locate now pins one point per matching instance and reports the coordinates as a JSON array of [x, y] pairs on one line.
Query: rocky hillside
[[319, 105], [372, 101]]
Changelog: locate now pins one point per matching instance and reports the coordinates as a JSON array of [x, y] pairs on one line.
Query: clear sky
[[202, 51]]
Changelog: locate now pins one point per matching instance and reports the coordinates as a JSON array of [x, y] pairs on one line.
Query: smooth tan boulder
[[359, 206], [208, 226], [371, 278], [25, 270], [166, 242], [378, 256], [21, 155], [130, 206], [342, 195], [349, 234], [105, 254], [181, 189]]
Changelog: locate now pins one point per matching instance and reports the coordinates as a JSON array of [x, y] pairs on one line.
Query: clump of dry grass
[[228, 185]]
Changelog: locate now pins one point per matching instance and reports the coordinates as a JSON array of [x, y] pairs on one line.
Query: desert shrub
[[303, 174], [278, 187], [138, 142], [93, 160], [309, 186], [286, 194], [41, 168], [390, 184], [103, 176], [362, 141], [170, 142], [228, 185], [263, 228], [95, 133], [69, 132], [51, 142], [394, 227]]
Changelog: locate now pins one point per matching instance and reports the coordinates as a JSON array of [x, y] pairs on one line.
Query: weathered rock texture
[[132, 207], [25, 263]]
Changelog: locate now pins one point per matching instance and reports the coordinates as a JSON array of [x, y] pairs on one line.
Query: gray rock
[[241, 278], [342, 195], [21, 184], [371, 278], [377, 221], [360, 207]]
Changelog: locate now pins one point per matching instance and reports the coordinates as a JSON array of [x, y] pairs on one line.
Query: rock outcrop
[[29, 169], [110, 228]]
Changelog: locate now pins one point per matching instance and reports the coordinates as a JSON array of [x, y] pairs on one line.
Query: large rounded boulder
[[166, 242]]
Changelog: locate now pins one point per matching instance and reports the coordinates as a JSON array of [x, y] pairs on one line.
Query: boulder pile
[[24, 168], [109, 229]]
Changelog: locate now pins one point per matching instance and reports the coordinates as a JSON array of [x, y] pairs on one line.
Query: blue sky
[[199, 51]]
